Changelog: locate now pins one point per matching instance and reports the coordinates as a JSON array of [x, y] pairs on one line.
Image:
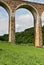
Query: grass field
[[11, 54]]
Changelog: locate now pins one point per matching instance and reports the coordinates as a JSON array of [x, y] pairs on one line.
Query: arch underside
[[5, 7], [30, 8]]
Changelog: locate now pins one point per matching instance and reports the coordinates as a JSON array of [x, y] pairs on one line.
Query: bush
[[4, 37]]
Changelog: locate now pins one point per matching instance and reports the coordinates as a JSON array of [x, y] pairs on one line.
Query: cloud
[[24, 22], [28, 0], [42, 18], [39, 1], [3, 21], [1, 15], [3, 26], [17, 25]]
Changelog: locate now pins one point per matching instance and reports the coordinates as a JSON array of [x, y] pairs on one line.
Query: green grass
[[12, 54]]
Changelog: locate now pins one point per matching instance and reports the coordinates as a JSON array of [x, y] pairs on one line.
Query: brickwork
[[36, 9]]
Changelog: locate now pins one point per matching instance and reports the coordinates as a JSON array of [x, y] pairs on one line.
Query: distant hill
[[43, 34], [24, 37], [27, 36]]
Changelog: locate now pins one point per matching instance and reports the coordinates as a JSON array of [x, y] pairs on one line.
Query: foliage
[[4, 37], [43, 34], [25, 37]]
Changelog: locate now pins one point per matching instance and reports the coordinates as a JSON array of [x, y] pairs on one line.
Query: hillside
[[43, 34], [24, 37], [27, 36]]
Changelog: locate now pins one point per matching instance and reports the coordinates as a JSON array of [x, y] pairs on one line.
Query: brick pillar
[[12, 28], [38, 31]]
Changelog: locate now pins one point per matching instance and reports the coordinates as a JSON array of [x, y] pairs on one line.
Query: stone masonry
[[36, 9]]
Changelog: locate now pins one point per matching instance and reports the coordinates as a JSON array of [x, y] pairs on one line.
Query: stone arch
[[34, 13], [35, 9], [24, 20], [7, 8], [29, 7]]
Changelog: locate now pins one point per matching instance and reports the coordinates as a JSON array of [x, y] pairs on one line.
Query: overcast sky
[[24, 19], [39, 1]]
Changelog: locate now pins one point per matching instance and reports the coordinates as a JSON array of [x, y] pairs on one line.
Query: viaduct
[[35, 8]]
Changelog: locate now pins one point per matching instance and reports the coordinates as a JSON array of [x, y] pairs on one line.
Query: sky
[[39, 1], [24, 19]]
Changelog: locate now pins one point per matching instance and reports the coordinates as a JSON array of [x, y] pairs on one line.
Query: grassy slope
[[11, 54]]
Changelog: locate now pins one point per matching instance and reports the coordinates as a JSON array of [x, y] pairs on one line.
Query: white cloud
[[3, 26], [24, 16], [24, 21], [3, 21], [42, 18], [39, 1], [27, 0], [1, 15], [17, 25]]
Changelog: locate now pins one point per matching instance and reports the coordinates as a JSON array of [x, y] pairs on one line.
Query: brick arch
[[35, 8], [7, 8], [34, 13], [29, 7]]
